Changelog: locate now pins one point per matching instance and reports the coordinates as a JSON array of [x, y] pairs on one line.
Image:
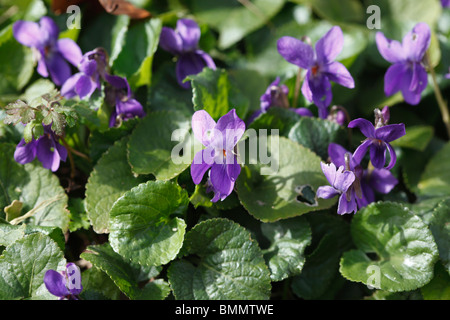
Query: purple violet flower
[[220, 140], [46, 148], [378, 138], [183, 43], [92, 70], [341, 181], [119, 94], [50, 52], [407, 72], [366, 181], [445, 3], [65, 284], [320, 65], [276, 96]]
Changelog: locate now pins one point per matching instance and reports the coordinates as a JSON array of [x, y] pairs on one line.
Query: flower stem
[[298, 81], [70, 152], [440, 100]]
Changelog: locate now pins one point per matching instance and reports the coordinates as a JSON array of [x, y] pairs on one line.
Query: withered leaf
[[118, 7]]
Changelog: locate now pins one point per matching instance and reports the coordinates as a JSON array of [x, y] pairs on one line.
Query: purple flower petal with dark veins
[[47, 149], [119, 95], [341, 181], [320, 65], [219, 158], [183, 43], [65, 284], [378, 141], [50, 52], [274, 96], [49, 152], [407, 73], [55, 283], [25, 152], [92, 68], [380, 180]]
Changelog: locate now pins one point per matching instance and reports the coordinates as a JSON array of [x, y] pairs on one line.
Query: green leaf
[[20, 63], [316, 134], [151, 146], [280, 119], [11, 233], [37, 89], [44, 191], [78, 215], [227, 265], [165, 94], [331, 238], [417, 138], [338, 11], [109, 180], [37, 188], [144, 224], [200, 198], [285, 186], [30, 10], [214, 92], [435, 180], [440, 228], [235, 19], [135, 59], [405, 249], [18, 111], [97, 285], [119, 34], [124, 274], [288, 241], [439, 286], [23, 265]]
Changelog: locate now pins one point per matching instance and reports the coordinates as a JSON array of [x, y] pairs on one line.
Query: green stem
[[440, 100], [298, 81]]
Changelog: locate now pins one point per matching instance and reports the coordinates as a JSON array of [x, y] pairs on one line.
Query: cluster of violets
[[355, 185], [407, 74], [54, 57]]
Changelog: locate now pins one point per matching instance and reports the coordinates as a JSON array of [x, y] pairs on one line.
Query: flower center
[[47, 50], [378, 141], [315, 69]]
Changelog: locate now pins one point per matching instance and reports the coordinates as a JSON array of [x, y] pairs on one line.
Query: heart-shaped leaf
[[144, 225], [288, 241], [404, 247], [285, 185], [111, 178], [24, 264], [227, 264], [125, 274], [162, 150]]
